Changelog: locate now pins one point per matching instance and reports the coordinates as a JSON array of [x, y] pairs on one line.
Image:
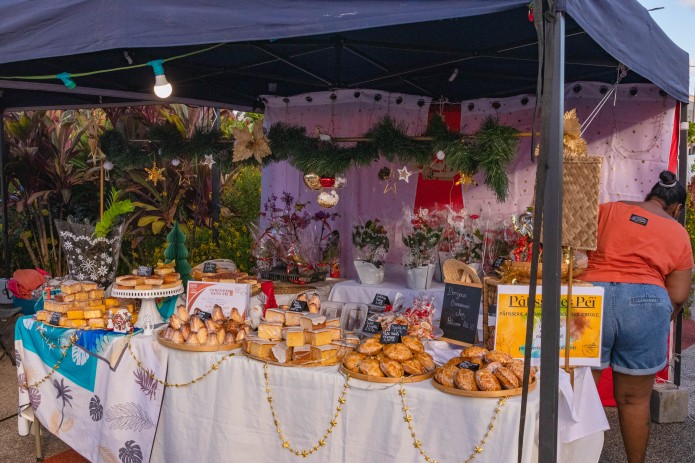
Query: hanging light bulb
[[66, 78], [176, 162], [108, 165], [162, 88]]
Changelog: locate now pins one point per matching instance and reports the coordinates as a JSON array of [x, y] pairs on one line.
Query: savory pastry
[[185, 331], [492, 366], [445, 375], [220, 336], [303, 297], [236, 316], [487, 381], [497, 356], [474, 351], [240, 335], [212, 339], [517, 367], [426, 361], [217, 313], [229, 337], [202, 335], [371, 367], [398, 352], [313, 308], [391, 368], [212, 325], [192, 340], [413, 367], [174, 322], [352, 361], [168, 333], [370, 346], [182, 313], [454, 361], [465, 380], [177, 336], [196, 324], [507, 379], [413, 343], [315, 299]]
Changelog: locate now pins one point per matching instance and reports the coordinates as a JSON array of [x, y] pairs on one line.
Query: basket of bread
[[404, 361], [202, 331], [478, 372]]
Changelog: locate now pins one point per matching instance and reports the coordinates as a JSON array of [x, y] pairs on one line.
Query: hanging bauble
[[327, 182], [340, 182], [328, 200], [312, 181], [108, 165], [441, 155], [176, 162]]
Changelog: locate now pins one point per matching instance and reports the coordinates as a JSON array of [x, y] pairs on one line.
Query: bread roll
[[507, 379], [370, 346], [445, 375], [427, 361], [371, 367], [487, 381], [413, 367], [398, 352], [352, 360], [465, 380], [497, 356], [391, 368], [413, 343], [474, 351]]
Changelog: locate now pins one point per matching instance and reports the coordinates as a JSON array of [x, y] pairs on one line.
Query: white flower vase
[[368, 273], [90, 258], [420, 277]]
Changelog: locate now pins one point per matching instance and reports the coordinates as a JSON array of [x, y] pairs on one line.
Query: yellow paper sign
[[585, 323]]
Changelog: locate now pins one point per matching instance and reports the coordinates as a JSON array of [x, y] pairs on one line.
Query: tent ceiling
[[495, 54]]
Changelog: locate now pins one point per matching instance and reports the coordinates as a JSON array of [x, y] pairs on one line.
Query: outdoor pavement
[[668, 442]]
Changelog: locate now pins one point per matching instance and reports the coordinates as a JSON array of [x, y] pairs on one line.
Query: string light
[[162, 88]]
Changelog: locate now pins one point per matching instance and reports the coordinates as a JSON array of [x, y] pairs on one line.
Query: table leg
[[37, 439]]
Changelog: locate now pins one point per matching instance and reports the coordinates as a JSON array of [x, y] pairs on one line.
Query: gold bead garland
[[321, 442], [214, 367], [65, 349], [408, 418]]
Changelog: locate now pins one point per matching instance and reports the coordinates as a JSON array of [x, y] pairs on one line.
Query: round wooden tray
[[484, 394], [309, 364], [194, 347], [379, 379]]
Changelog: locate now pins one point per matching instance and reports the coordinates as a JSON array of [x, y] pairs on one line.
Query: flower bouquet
[[421, 238], [371, 244]]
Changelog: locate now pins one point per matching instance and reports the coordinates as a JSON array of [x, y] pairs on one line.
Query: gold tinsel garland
[[321, 442], [408, 418]]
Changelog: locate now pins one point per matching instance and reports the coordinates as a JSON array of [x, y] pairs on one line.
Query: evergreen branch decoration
[[495, 148], [389, 139]]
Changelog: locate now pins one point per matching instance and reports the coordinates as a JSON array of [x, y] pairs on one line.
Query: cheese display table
[[394, 283]]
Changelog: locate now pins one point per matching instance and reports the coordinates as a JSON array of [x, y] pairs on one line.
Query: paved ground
[[669, 443]]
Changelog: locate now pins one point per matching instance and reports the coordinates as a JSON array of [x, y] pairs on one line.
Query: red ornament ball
[[327, 182]]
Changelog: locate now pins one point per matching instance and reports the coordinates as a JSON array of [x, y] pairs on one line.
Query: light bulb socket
[[157, 66], [66, 78]]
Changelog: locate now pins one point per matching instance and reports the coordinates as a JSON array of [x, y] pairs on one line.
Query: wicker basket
[[580, 199], [490, 285], [280, 274]]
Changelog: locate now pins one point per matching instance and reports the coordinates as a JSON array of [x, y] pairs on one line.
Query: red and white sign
[[204, 296]]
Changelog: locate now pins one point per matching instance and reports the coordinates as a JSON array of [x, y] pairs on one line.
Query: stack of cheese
[[165, 277], [78, 305], [297, 338]]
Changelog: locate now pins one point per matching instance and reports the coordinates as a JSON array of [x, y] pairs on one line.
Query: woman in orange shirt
[[644, 263]]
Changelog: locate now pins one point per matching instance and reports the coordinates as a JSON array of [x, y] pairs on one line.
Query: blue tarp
[[491, 41]]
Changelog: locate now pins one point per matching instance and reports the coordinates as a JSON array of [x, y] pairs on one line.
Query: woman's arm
[[678, 287]]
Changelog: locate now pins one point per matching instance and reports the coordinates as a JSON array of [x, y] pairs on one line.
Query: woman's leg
[[632, 394], [597, 375]]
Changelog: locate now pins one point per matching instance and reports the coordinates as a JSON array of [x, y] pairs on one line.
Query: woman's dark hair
[[668, 189]]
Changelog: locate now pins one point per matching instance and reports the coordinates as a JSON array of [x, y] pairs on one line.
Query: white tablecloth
[[394, 283], [227, 418]]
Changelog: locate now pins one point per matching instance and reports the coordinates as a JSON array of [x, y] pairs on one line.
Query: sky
[[677, 19]]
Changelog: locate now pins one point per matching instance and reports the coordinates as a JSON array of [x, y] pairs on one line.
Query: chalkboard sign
[[209, 267], [299, 306], [144, 271], [381, 300], [394, 334], [55, 318], [203, 315], [460, 310], [371, 327], [469, 365]]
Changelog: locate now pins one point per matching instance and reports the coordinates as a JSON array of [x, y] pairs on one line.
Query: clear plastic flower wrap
[[422, 233], [462, 238], [371, 242]]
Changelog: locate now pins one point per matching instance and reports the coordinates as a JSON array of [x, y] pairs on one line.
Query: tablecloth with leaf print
[[99, 401]]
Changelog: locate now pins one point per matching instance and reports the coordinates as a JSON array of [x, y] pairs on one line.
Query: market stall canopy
[[453, 49]]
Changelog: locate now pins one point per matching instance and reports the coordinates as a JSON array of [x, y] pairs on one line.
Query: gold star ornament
[[155, 174]]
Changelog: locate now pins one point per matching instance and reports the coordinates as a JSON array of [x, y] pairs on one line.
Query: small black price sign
[[460, 310], [394, 334], [299, 306], [55, 319], [144, 271], [371, 327], [381, 300], [469, 365], [203, 315], [209, 267]]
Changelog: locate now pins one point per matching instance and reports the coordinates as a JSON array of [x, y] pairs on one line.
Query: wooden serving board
[[194, 347], [379, 379], [484, 394], [309, 364]]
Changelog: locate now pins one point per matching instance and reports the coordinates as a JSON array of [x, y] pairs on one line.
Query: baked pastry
[[313, 308], [492, 366], [487, 381], [507, 379], [391, 368], [202, 335], [370, 346], [236, 316], [445, 375], [326, 354], [212, 340], [177, 336], [454, 361], [497, 356], [352, 361], [240, 335], [217, 314], [229, 337], [192, 340], [343, 349], [185, 331], [220, 336], [398, 352], [465, 380], [303, 297], [174, 322], [182, 313], [212, 325], [474, 351], [413, 343], [371, 367], [413, 367], [301, 354], [426, 361], [315, 299], [517, 367], [168, 333], [196, 324]]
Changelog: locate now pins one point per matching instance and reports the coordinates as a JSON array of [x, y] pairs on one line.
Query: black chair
[[6, 318]]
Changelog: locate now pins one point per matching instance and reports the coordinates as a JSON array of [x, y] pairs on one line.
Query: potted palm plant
[[371, 246]]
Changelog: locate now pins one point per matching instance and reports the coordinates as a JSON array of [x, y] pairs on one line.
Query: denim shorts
[[636, 324]]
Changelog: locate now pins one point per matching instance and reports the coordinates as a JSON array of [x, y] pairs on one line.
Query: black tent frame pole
[[552, 126], [4, 197], [682, 176], [215, 187]]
